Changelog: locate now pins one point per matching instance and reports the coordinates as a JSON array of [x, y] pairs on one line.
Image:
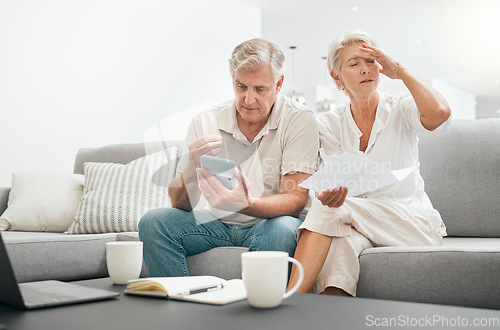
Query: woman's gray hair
[[257, 53], [337, 45]]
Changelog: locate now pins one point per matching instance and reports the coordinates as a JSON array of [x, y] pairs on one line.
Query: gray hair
[[257, 53], [337, 45]]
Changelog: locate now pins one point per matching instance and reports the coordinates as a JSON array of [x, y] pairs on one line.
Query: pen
[[202, 289]]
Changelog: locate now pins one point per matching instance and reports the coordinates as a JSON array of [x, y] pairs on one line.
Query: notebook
[[201, 289], [33, 295]]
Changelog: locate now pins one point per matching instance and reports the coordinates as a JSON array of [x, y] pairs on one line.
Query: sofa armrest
[[4, 198]]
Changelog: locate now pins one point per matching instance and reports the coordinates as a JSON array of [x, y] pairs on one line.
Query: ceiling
[[456, 41]]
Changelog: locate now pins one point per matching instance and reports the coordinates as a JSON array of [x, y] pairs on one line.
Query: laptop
[[42, 294]]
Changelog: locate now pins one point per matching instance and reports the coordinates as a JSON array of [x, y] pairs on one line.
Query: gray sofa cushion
[[40, 256], [464, 271], [224, 262], [463, 184]]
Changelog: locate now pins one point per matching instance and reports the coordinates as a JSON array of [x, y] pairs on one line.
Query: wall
[[86, 73], [462, 103]]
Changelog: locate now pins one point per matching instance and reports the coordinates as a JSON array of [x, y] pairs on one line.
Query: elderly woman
[[385, 129]]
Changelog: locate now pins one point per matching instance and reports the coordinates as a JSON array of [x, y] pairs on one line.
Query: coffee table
[[301, 311]]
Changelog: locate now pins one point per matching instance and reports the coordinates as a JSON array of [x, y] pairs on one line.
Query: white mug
[[124, 260], [265, 274]]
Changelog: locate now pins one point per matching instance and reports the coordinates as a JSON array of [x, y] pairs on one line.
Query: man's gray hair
[[257, 53], [337, 45]]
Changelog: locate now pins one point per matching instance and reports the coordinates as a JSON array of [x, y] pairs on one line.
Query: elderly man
[[273, 141]]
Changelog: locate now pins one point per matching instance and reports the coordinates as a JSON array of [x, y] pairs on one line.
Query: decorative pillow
[[116, 196], [42, 201]]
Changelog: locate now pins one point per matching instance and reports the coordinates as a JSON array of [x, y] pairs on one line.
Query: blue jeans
[[170, 235]]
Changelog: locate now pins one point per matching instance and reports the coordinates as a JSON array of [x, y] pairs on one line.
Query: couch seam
[[428, 252]]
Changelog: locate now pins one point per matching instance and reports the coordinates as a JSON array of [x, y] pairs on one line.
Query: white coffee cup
[[265, 274], [124, 260]]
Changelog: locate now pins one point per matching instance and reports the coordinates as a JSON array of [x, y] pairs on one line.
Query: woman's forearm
[[433, 108]]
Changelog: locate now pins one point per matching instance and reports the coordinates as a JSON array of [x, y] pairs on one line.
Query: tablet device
[[221, 168]]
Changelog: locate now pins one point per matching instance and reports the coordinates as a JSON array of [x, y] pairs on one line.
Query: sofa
[[460, 169]]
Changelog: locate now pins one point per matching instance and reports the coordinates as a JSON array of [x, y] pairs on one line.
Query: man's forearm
[[276, 205], [291, 199], [183, 190]]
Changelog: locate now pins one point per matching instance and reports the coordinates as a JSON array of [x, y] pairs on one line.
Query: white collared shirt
[[393, 142]]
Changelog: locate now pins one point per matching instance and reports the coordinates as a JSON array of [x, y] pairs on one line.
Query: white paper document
[[356, 172]]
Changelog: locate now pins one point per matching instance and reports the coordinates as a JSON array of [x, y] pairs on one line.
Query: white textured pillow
[[42, 201], [116, 196]]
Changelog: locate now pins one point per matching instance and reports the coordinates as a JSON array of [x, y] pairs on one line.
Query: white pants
[[358, 225]]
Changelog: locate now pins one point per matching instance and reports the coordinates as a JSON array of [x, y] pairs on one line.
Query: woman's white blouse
[[393, 142]]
